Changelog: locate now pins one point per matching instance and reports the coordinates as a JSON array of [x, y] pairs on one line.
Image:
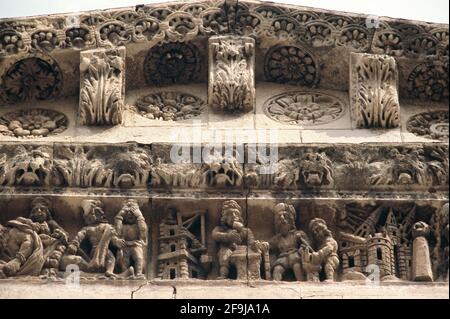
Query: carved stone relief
[[169, 106], [231, 83], [102, 86], [373, 91], [433, 125], [31, 78], [304, 108], [291, 65], [33, 123], [429, 81], [172, 63]]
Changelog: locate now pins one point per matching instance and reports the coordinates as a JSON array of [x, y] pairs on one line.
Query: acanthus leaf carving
[[231, 83], [373, 91], [102, 86]]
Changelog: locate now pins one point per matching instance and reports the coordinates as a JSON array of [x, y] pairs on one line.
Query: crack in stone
[[139, 288]]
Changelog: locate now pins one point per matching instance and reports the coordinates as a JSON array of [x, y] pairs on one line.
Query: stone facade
[[223, 140]]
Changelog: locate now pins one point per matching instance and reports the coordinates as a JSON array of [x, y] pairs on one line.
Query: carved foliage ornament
[[33, 123], [231, 73], [429, 81], [433, 125], [373, 91], [102, 86], [292, 65], [31, 78], [172, 63], [304, 108], [169, 106]]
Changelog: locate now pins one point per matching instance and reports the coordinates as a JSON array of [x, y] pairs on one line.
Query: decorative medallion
[[169, 106], [289, 64], [33, 123], [172, 63], [304, 108], [31, 78], [429, 81], [433, 125]]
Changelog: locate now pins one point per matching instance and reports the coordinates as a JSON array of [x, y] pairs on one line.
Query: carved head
[[284, 218], [319, 230], [92, 212], [131, 212], [40, 210], [222, 171], [316, 170], [408, 167], [31, 167], [231, 213], [130, 168], [420, 229]]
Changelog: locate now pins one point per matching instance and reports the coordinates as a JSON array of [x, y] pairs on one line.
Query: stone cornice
[[175, 21]]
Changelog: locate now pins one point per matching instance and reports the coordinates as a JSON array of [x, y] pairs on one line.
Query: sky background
[[429, 10]]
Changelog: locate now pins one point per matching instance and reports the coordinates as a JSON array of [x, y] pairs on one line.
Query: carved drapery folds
[[373, 91], [231, 83], [102, 86]]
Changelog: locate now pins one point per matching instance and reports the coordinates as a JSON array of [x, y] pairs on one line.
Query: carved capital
[[231, 84], [102, 86], [373, 91]]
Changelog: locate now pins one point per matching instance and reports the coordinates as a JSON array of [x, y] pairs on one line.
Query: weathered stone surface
[[102, 86], [278, 189], [231, 82], [373, 91]]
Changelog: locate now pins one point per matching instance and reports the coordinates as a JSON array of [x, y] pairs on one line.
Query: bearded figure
[[54, 238], [130, 226], [287, 243], [100, 237], [322, 255], [231, 234], [21, 249]]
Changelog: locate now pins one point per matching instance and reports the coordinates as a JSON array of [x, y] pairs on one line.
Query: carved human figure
[[322, 255], [286, 243], [21, 249], [441, 237], [54, 238], [100, 235], [231, 235], [130, 226]]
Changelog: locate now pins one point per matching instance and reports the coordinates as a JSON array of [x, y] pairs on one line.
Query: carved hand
[[72, 249], [234, 237]]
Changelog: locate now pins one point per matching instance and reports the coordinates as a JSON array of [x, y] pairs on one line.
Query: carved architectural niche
[[304, 108], [33, 123], [102, 86], [373, 91], [231, 82], [169, 106], [433, 125], [34, 78]]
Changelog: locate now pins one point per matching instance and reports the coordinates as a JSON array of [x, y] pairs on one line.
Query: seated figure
[[287, 243], [101, 237], [53, 236], [21, 249], [233, 237]]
